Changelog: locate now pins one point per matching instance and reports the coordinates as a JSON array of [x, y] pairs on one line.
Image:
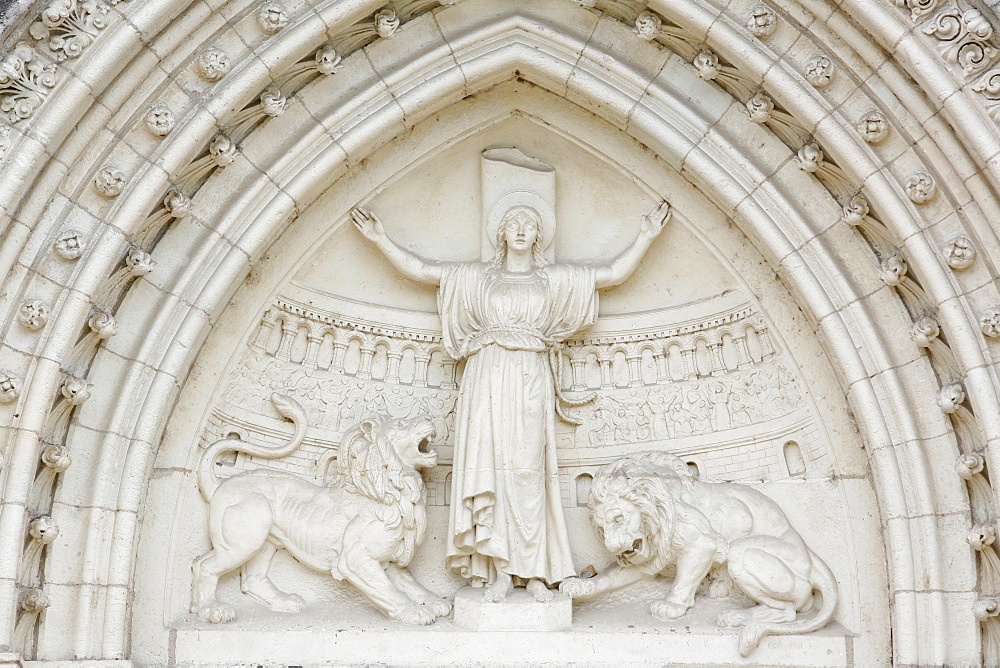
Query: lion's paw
[[732, 618], [576, 587], [416, 615], [665, 610], [217, 613], [440, 607], [287, 603]]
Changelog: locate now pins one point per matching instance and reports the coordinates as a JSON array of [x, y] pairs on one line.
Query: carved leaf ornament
[[24, 82]]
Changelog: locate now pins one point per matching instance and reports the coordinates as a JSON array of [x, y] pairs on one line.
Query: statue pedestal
[[518, 612]]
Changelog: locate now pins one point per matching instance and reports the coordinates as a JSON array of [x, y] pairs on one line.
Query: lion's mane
[[663, 489], [369, 465]]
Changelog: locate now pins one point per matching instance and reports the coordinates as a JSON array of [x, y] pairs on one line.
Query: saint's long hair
[[513, 215]]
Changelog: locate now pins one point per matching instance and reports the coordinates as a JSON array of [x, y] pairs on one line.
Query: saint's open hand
[[654, 222], [367, 223]]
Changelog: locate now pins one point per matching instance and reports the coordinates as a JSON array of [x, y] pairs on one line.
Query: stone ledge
[[518, 612]]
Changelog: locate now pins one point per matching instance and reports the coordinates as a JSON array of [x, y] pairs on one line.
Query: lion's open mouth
[[424, 445], [631, 552]]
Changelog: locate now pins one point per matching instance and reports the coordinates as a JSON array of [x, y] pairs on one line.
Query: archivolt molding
[[178, 218]]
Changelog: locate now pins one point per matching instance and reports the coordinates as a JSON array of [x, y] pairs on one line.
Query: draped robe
[[506, 505]]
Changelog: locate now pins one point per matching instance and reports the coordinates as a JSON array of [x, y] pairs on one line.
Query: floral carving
[[177, 204], [10, 387], [212, 64], [989, 85], [969, 465], [70, 26], [138, 261], [874, 127], [328, 60], [989, 322], [965, 39], [43, 529], [921, 188], [984, 608], [707, 64], [854, 212], [762, 22], [69, 245], [760, 107], [924, 331], [951, 397], [272, 17], [273, 101], [33, 314], [102, 323], [110, 181], [959, 253], [56, 457], [33, 601], [223, 150], [648, 25], [75, 390], [386, 23], [160, 120], [918, 8], [24, 82], [893, 269], [982, 535], [820, 70], [810, 157]]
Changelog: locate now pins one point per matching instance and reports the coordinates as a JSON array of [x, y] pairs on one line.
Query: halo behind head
[[522, 198]]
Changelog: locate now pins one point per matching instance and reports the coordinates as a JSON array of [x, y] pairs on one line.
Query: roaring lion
[[361, 527], [652, 512]]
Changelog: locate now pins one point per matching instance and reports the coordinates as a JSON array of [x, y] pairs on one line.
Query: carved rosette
[[820, 70], [56, 457], [138, 261], [989, 322], [810, 157], [951, 397], [272, 18], [10, 387], [110, 181], [70, 26], [965, 39], [160, 120], [969, 465], [177, 204], [25, 81], [874, 127], [921, 188], [33, 601], [959, 253], [760, 106], [918, 8], [386, 23], [648, 26], [222, 149], [43, 529], [981, 535], [985, 608], [924, 331], [328, 60], [893, 270], [103, 324], [33, 314], [762, 22], [75, 390], [212, 64], [69, 245], [273, 101], [854, 212], [707, 64]]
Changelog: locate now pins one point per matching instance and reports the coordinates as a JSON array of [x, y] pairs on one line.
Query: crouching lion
[[362, 527], [652, 512]]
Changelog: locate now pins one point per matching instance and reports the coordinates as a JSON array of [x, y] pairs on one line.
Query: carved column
[[264, 331], [448, 374], [742, 351], [765, 343], [287, 338], [339, 350], [392, 373], [605, 371], [718, 364], [634, 373], [579, 367], [690, 363], [662, 371], [312, 351], [420, 376], [367, 353]]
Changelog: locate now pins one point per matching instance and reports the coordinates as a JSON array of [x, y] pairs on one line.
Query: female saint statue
[[503, 317]]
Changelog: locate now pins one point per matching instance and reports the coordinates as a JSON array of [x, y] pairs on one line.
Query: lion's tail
[[822, 580], [288, 408]]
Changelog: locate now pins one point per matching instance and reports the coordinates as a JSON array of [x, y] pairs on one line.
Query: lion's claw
[[576, 587], [415, 615], [440, 608], [216, 614], [665, 610]]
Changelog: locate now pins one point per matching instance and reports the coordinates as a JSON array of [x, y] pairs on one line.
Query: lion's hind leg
[[777, 586], [255, 583]]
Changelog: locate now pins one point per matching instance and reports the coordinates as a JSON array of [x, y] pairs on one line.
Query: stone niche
[[701, 353]]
